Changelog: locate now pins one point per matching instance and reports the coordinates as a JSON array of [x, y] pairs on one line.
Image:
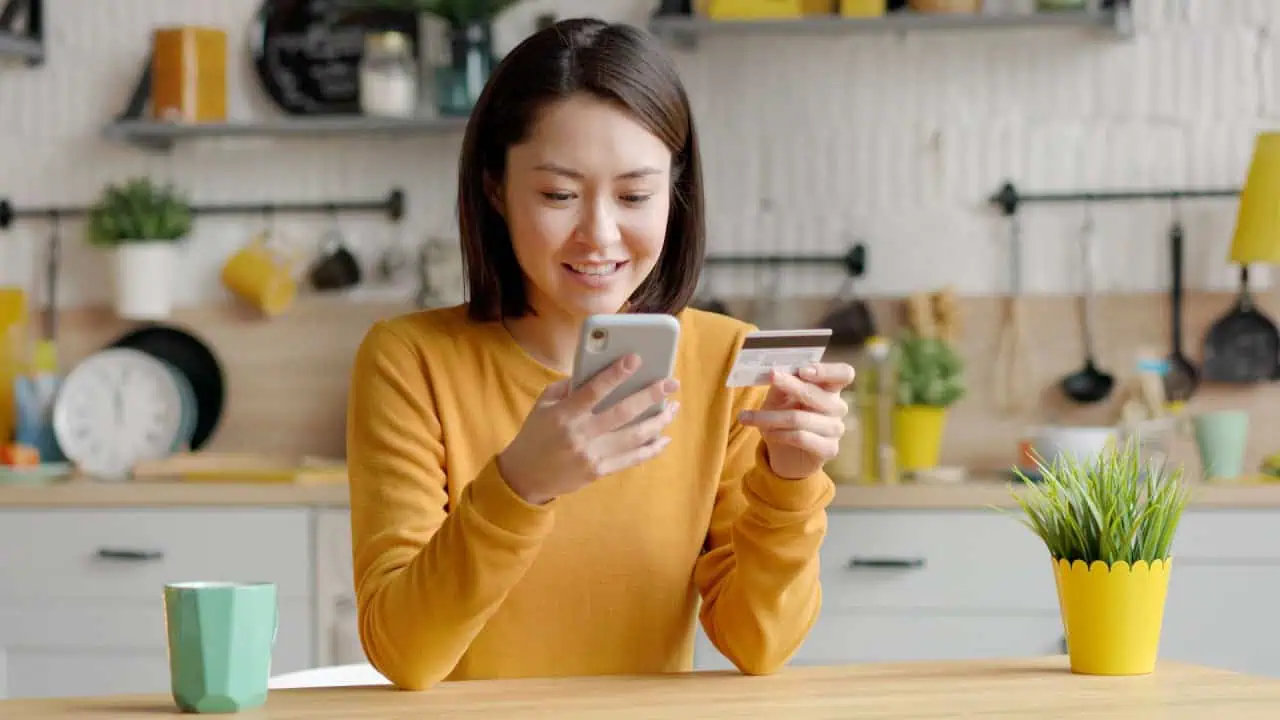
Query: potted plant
[[1108, 524], [469, 37], [930, 378], [143, 223]]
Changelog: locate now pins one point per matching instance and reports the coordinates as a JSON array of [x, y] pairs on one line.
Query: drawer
[[1216, 536], [864, 636], [73, 648], [130, 554], [949, 559]]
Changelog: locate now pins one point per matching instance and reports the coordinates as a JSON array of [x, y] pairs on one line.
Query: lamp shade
[[1257, 238]]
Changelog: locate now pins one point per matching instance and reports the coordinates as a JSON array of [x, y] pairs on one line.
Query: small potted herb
[[930, 378], [1108, 524], [143, 223]]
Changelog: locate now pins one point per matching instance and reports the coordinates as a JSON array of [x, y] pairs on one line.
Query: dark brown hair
[[613, 62]]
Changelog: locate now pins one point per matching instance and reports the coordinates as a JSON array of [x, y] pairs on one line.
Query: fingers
[[585, 398], [821, 446], [554, 392], [831, 377], [630, 458], [624, 440], [632, 406], [810, 395], [782, 421]]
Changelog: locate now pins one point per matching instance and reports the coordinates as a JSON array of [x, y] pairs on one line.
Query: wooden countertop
[[1039, 688], [979, 492]]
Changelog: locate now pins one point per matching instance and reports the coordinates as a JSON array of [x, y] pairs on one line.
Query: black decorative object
[[307, 53]]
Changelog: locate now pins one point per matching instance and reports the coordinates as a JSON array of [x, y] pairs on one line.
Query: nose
[[598, 224]]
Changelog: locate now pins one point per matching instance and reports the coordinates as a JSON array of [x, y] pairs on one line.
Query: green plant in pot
[[469, 29], [930, 378], [142, 223], [1108, 524]]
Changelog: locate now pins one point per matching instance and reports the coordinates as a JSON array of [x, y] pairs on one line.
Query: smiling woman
[[501, 527]]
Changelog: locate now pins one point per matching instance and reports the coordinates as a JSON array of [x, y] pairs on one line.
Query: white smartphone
[[653, 337]]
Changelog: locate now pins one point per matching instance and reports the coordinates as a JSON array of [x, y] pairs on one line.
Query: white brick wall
[[808, 140]]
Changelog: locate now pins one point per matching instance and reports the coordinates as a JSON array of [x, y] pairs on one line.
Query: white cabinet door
[[81, 591], [336, 623]]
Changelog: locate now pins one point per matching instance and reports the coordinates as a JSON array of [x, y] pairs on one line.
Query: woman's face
[[586, 198]]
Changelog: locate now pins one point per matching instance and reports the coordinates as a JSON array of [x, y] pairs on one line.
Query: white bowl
[[1083, 443]]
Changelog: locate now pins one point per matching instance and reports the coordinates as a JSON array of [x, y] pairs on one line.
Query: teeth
[[606, 269]]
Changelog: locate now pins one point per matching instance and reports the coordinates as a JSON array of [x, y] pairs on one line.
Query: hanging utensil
[[1181, 377], [1013, 378], [850, 319], [35, 391], [1243, 346], [1089, 384]]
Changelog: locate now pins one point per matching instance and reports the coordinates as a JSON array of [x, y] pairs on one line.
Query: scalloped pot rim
[[1118, 566]]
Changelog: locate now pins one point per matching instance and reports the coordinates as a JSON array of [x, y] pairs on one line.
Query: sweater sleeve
[[758, 576], [427, 576]]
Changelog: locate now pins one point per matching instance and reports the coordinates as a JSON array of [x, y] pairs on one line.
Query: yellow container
[[767, 9], [1112, 615], [862, 8], [917, 436]]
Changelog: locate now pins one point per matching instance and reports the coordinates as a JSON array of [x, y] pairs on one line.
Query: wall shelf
[[686, 30], [155, 135]]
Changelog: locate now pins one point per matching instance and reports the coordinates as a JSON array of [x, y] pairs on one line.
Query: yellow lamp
[[1257, 238]]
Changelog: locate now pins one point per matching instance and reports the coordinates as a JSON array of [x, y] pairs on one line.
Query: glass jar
[[388, 76]]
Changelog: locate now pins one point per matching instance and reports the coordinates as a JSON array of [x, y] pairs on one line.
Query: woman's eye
[[635, 199], [558, 196]]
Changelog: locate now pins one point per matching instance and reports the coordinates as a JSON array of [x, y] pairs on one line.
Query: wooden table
[[1039, 688]]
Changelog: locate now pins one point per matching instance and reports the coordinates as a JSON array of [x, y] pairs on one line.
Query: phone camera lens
[[597, 334]]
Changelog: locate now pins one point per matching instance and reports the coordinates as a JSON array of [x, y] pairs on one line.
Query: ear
[[493, 192]]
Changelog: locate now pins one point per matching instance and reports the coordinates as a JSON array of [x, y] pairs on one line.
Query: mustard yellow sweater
[[457, 577]]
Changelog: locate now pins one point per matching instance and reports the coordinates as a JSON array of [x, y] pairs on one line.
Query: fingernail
[[745, 415], [809, 372], [670, 385], [630, 362]]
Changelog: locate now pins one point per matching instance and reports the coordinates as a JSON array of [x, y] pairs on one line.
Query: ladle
[[1089, 384]]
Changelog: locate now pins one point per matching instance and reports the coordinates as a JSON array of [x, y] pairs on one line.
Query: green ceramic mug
[[221, 635], [1222, 437]]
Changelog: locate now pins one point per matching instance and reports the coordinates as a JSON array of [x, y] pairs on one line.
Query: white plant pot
[[145, 278]]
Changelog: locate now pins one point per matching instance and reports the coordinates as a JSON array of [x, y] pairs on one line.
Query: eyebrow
[[571, 173]]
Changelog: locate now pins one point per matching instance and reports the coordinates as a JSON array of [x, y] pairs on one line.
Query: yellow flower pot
[[917, 435], [1112, 615]]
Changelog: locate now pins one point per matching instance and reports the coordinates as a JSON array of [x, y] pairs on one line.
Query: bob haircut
[[613, 62]]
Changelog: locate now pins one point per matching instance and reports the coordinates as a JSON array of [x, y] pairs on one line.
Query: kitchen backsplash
[[809, 142]]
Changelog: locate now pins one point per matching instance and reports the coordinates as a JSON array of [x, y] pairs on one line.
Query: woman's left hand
[[802, 418]]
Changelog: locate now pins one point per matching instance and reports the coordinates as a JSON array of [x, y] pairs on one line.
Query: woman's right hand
[[564, 445]]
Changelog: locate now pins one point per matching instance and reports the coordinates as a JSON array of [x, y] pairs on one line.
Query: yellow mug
[[261, 276]]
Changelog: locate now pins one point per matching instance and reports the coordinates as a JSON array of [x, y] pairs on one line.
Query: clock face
[[116, 408]]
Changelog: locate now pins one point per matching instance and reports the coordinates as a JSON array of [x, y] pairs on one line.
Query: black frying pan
[[1243, 346], [193, 358]]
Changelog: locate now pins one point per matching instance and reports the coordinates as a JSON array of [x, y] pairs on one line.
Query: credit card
[[766, 350]]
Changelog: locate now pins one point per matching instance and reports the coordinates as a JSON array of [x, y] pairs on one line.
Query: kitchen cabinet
[[970, 584], [337, 632], [81, 603]]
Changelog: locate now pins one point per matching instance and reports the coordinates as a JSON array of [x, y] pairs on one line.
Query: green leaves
[[138, 211], [930, 372], [1112, 509], [456, 12]]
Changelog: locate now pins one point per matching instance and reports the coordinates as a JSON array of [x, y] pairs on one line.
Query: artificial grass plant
[[1111, 509]]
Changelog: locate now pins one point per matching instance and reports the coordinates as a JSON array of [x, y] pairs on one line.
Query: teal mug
[[221, 635], [1221, 438]]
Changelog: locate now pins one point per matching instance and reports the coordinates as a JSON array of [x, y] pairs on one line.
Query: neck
[[551, 338]]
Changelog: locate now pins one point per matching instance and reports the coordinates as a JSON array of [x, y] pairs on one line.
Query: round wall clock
[[119, 407]]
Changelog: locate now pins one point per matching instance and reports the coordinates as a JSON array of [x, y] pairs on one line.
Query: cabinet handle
[[886, 563], [1062, 644], [134, 555]]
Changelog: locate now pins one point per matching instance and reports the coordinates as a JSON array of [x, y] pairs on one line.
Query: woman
[[502, 529]]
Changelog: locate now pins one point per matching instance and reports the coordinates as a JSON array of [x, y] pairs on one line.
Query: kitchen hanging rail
[[1009, 199], [393, 206], [25, 43], [854, 261]]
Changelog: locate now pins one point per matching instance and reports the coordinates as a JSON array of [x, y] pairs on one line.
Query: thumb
[[554, 393]]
